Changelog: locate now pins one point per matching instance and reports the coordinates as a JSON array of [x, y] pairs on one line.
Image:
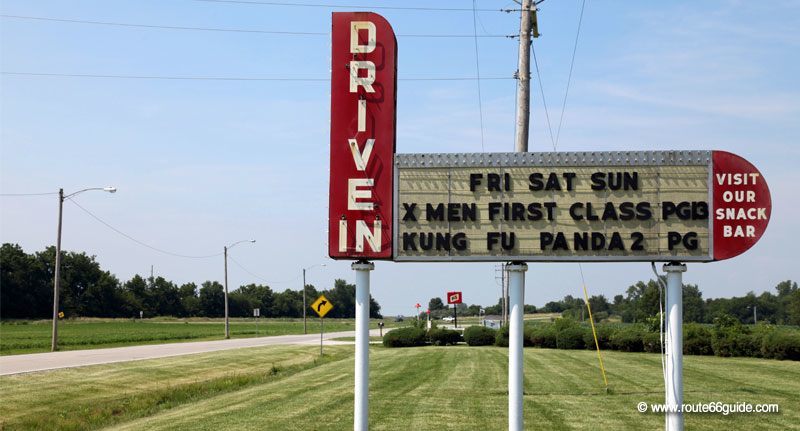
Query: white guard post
[[361, 410], [674, 377], [516, 289]]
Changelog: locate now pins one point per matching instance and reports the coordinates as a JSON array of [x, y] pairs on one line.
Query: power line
[[258, 276], [350, 6], [233, 78], [136, 240], [219, 29], [544, 101], [28, 194], [477, 67], [569, 77]]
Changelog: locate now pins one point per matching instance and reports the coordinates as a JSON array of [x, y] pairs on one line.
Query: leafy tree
[[212, 299], [190, 303], [26, 284], [435, 304]]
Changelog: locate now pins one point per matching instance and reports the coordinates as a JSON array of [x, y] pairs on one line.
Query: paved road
[[16, 364]]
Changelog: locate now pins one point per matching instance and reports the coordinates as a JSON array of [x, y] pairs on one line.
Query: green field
[[34, 336], [426, 388]]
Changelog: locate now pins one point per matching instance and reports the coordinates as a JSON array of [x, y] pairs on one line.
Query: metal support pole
[[516, 288], [674, 377], [227, 324], [321, 331], [305, 324], [57, 277], [361, 411]]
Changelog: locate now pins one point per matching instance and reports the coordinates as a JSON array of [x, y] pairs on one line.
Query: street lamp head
[[110, 189]]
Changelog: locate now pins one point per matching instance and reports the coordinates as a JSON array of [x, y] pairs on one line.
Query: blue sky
[[200, 164]]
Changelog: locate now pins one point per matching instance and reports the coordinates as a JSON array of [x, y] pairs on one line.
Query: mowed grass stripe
[[90, 397], [453, 388], [463, 388], [31, 337]]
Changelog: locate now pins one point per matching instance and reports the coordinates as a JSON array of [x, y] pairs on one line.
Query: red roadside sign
[[363, 102], [454, 297], [741, 202]]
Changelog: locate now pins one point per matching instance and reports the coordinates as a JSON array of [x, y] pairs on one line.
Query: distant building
[[492, 321]]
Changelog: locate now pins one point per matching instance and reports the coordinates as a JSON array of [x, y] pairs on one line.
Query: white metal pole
[[516, 287], [674, 378], [361, 410]]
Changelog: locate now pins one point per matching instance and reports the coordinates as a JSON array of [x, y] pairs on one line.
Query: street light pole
[[305, 323], [57, 281], [57, 271], [227, 323], [225, 252]]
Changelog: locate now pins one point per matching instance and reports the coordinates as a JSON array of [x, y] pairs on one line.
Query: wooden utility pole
[[528, 27]]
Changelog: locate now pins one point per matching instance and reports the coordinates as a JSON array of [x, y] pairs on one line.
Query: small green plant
[[479, 336], [408, 336], [444, 337]]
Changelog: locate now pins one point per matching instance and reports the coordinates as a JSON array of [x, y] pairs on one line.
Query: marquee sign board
[[585, 206], [363, 101]]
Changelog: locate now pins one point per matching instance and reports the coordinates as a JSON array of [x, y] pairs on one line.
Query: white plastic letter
[[342, 236], [373, 238], [354, 193], [357, 48], [365, 81], [361, 159]]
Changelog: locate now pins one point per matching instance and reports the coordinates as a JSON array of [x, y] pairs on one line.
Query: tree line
[[26, 292], [640, 303]]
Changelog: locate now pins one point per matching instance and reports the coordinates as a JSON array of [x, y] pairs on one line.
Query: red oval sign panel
[[742, 205]]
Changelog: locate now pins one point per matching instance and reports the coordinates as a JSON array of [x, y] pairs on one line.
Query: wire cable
[[136, 240], [235, 262], [29, 194], [478, 69], [219, 29], [544, 101], [661, 296], [349, 6], [231, 78], [569, 77]]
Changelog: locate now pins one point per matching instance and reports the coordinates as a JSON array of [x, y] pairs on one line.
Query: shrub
[[697, 340], [404, 337], [780, 344], [543, 336], [479, 336], [501, 339], [604, 333], [628, 339], [651, 342], [570, 337], [443, 337], [731, 338]]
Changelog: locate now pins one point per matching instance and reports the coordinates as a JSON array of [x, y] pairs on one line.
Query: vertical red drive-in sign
[[363, 102], [742, 205]]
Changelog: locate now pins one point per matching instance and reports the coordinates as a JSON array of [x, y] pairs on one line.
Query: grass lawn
[[427, 388], [34, 336]]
